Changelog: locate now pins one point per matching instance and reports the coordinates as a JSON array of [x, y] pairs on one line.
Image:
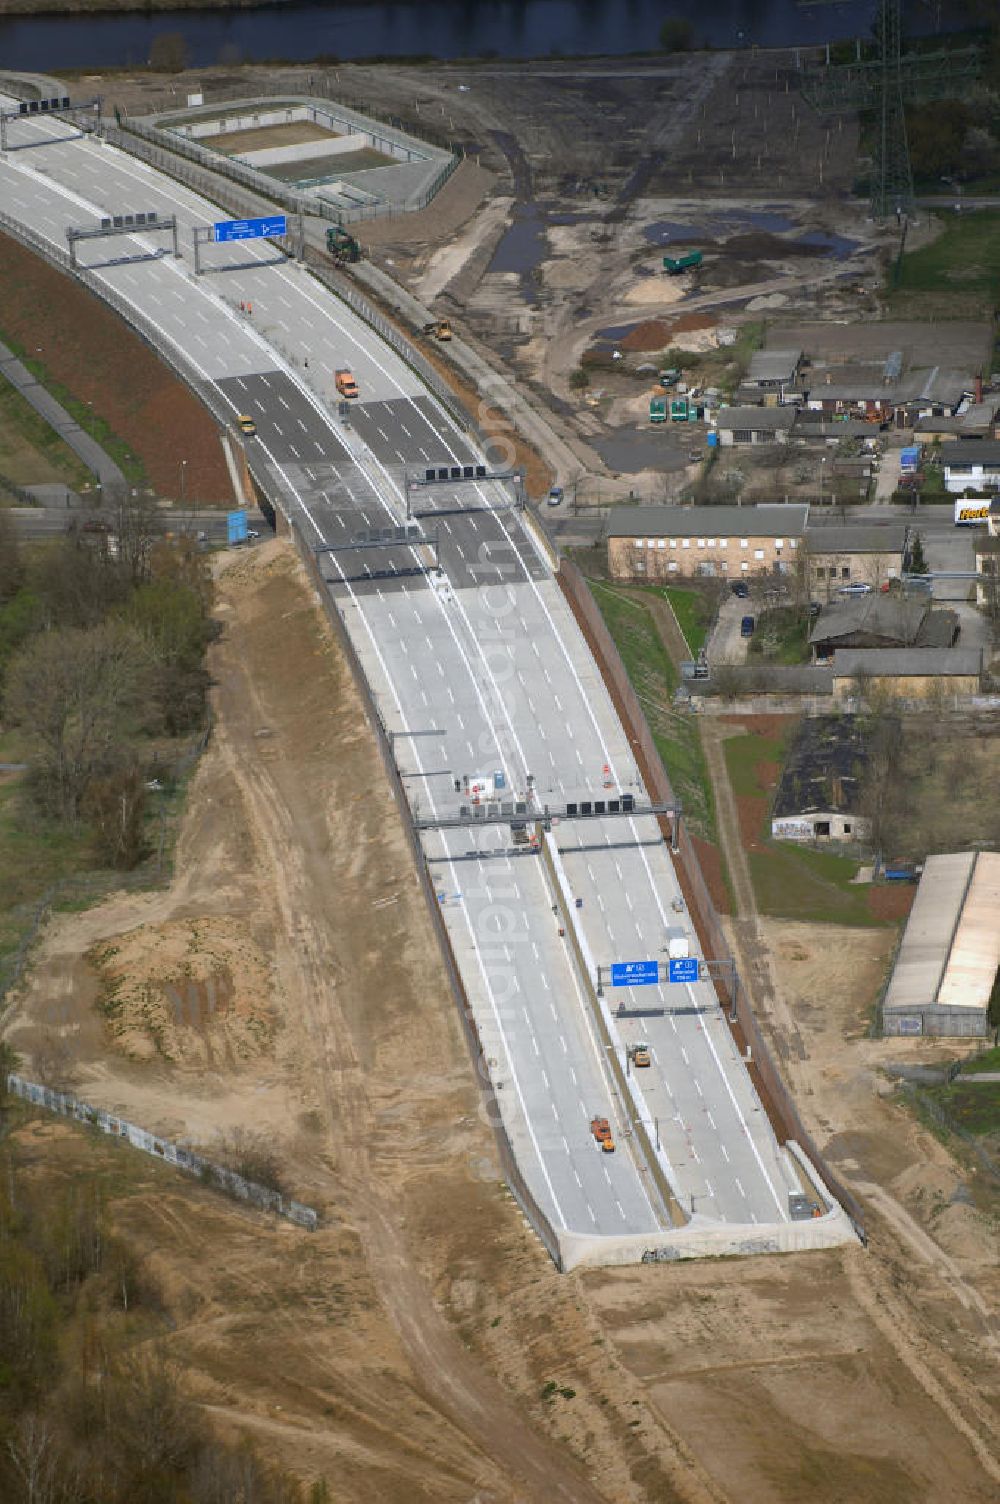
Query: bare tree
[[35, 1459], [136, 532], [881, 794], [77, 694], [114, 804]]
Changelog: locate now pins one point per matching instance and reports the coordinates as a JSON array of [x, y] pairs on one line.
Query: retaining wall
[[171, 1153]]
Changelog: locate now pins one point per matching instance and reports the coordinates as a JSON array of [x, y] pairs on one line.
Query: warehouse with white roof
[[947, 965]]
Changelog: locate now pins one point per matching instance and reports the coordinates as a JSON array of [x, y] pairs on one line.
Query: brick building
[[854, 554], [661, 543]]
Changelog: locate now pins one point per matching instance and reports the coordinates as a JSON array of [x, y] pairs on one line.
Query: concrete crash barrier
[[702, 1238]]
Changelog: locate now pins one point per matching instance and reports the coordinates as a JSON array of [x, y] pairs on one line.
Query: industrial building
[[946, 968]]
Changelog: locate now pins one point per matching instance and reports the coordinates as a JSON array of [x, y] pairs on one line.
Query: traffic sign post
[[635, 973], [224, 231], [269, 228], [682, 969]]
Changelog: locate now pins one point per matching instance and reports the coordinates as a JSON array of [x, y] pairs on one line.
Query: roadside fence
[[168, 142], [217, 1176]]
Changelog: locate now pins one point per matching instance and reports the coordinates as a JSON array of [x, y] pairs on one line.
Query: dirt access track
[[420, 1345]]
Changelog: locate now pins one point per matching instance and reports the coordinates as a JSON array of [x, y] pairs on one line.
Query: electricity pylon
[[883, 85]]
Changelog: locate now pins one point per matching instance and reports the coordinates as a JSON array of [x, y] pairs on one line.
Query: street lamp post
[[183, 483]]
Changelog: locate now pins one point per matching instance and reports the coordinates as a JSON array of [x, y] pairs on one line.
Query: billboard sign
[[236, 527], [249, 229], [635, 973], [972, 511]]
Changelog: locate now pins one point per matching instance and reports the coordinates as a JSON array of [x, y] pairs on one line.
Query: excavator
[[342, 246]]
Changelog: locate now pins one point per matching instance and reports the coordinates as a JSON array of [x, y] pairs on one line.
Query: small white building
[[971, 465]]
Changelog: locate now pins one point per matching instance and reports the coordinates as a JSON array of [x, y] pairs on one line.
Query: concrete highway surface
[[481, 675]]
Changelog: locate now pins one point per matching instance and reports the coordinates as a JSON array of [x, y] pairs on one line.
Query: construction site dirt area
[[547, 245], [86, 349], [420, 1345]]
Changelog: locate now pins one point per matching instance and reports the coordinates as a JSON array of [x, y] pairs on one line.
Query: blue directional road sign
[[635, 973], [684, 969], [236, 527], [250, 229]]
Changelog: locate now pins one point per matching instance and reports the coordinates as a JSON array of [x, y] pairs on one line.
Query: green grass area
[[989, 1060], [781, 636], [790, 881], [83, 414], [32, 453], [964, 261], [692, 617], [744, 754], [794, 883], [654, 679], [973, 1109]]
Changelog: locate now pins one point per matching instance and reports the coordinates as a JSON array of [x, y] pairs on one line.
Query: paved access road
[[479, 672]]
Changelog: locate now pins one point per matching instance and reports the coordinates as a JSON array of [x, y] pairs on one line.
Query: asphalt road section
[[490, 695]]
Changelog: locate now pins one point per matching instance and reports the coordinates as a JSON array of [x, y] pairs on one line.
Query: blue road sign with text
[[634, 973], [683, 969], [250, 229], [236, 527]]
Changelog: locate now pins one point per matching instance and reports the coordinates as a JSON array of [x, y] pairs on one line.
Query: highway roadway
[[479, 670]]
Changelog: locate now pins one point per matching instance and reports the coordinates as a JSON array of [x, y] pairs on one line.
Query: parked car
[[747, 626], [856, 588], [740, 588], [555, 496]]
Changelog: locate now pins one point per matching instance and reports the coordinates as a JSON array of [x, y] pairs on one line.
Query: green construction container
[[680, 410], [657, 409], [677, 264]]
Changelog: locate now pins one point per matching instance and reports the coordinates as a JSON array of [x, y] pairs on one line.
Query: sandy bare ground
[[420, 1346]]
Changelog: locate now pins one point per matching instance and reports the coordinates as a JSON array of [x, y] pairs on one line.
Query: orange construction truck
[[345, 383]]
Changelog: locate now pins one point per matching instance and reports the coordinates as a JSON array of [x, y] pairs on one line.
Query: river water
[[443, 28]]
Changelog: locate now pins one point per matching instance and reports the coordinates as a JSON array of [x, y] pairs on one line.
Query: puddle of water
[[663, 231], [837, 246], [771, 218], [522, 249], [615, 332]]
